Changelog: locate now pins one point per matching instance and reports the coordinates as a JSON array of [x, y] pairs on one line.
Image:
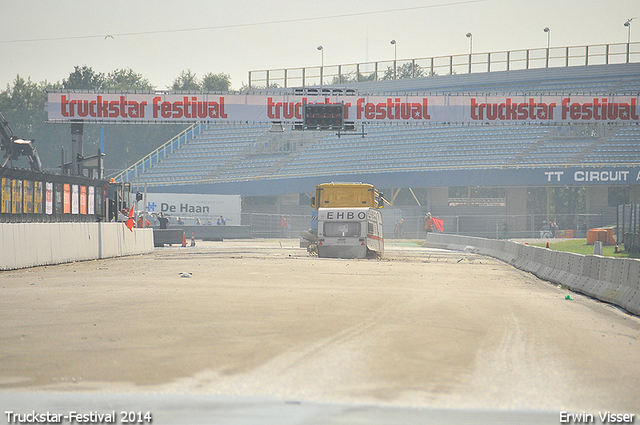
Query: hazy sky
[[44, 40]]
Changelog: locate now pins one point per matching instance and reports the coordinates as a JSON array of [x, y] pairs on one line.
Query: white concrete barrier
[[613, 280], [37, 244], [568, 268], [527, 259], [535, 263], [547, 262], [591, 273]]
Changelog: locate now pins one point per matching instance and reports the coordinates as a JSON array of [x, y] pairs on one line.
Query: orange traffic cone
[[184, 239], [193, 239]]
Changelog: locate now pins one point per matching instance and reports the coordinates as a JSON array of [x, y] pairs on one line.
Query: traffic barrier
[[547, 264], [437, 240], [609, 283], [536, 263], [577, 270], [571, 266], [591, 272], [559, 270], [217, 233], [506, 252], [518, 254], [494, 247], [579, 280], [613, 280], [162, 237], [525, 256], [632, 273]]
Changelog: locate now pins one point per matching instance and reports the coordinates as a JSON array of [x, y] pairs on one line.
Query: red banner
[[164, 107], [67, 199]]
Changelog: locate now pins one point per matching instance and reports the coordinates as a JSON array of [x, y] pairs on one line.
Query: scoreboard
[[320, 116]]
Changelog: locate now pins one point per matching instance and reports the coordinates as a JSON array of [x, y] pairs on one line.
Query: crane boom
[[14, 147]]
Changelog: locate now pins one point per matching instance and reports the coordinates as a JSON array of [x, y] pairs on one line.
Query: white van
[[350, 232]]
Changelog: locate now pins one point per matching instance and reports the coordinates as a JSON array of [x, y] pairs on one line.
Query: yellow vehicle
[[349, 220], [340, 195]]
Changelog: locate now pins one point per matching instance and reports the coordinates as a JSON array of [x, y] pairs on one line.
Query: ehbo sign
[[163, 107]]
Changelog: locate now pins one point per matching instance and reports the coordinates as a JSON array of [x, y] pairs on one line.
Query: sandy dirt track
[[420, 327]]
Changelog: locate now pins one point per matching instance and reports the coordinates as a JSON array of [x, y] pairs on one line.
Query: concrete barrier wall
[[168, 236], [614, 280], [216, 233], [38, 244]]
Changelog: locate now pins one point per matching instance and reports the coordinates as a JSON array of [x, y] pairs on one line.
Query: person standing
[[428, 223], [123, 215], [399, 231], [164, 221], [554, 228], [142, 222]]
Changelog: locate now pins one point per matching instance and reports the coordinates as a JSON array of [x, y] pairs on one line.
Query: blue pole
[[102, 139]]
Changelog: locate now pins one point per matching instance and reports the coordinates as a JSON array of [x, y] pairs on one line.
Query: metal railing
[[553, 57], [159, 154], [628, 227]]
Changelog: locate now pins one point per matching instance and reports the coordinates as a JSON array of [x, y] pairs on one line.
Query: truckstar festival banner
[[163, 107]]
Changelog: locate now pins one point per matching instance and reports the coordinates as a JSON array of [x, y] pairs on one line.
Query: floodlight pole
[[548, 31], [321, 65], [395, 57], [77, 130], [470, 37], [628, 25]]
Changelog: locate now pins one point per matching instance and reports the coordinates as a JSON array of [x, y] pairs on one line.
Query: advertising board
[[193, 209], [288, 108]]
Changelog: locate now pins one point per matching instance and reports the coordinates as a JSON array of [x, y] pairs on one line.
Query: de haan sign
[[164, 107]]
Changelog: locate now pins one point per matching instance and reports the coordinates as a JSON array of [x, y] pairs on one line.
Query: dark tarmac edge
[[196, 409]]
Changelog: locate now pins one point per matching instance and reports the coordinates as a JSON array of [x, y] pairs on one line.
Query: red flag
[[439, 223], [130, 221]]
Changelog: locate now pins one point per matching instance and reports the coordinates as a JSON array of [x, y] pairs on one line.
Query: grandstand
[[253, 160], [232, 153]]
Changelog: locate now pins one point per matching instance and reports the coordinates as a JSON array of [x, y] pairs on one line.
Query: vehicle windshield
[[342, 229]]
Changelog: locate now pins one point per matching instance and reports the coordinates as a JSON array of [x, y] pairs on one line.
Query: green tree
[[370, 77], [84, 78], [352, 77], [22, 105], [24, 94], [186, 81], [404, 71], [126, 79], [245, 87], [563, 204], [618, 195], [216, 82]]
